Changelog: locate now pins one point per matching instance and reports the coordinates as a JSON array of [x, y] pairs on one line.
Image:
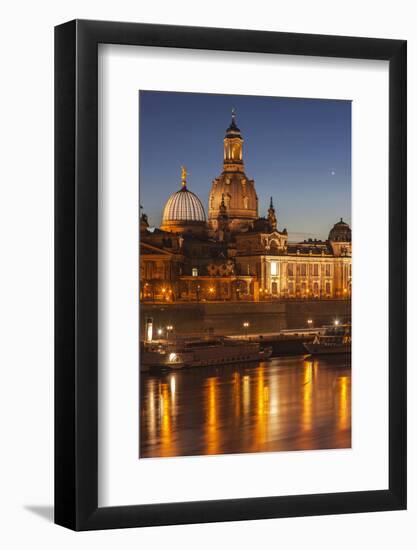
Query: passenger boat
[[333, 340], [202, 353]]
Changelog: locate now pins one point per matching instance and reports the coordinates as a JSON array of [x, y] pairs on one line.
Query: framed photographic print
[[230, 275]]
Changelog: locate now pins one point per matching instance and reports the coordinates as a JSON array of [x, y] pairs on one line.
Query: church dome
[[183, 206], [340, 232], [183, 211], [239, 196]]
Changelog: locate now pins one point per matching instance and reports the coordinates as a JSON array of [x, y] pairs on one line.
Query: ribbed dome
[[183, 206], [340, 232], [239, 196]]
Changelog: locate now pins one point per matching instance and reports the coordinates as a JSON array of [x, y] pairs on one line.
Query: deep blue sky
[[297, 150]]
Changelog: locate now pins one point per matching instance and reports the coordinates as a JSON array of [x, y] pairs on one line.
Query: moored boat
[[334, 340], [203, 353]]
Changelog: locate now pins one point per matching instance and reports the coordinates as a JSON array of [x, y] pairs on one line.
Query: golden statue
[[184, 174]]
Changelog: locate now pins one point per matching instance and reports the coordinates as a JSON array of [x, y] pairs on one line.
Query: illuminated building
[[236, 254]]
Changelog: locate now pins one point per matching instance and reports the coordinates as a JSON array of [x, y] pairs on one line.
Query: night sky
[[297, 150]]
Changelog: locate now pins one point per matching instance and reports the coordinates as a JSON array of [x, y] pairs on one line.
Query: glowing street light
[[309, 322], [336, 322], [169, 328], [246, 326], [149, 329], [159, 332]]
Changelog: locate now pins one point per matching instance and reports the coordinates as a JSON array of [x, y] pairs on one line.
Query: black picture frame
[[76, 272]]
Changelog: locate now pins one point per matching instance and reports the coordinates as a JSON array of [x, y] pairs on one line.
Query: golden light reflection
[[152, 409], [236, 393], [172, 384], [173, 387], [307, 401], [165, 420], [260, 394], [276, 406], [246, 394], [273, 395], [315, 365], [343, 416], [212, 433], [262, 410]]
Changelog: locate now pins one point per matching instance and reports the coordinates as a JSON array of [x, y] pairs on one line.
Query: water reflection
[[286, 404], [212, 427]]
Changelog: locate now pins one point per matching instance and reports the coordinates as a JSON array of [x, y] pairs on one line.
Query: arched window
[[236, 151], [273, 247]]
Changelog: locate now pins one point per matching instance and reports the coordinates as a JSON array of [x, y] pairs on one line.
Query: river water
[[285, 404]]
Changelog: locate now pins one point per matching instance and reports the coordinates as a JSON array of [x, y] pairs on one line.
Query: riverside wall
[[228, 317]]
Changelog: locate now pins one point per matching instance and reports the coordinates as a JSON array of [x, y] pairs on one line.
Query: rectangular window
[[290, 270], [149, 270], [328, 290], [315, 270], [328, 270], [195, 272], [274, 269], [303, 270]]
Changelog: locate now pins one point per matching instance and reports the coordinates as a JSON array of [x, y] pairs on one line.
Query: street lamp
[[159, 332], [310, 322], [246, 326], [169, 328], [163, 292], [149, 329], [336, 322]]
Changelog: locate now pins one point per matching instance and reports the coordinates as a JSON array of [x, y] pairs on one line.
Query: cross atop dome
[[184, 175], [233, 131]]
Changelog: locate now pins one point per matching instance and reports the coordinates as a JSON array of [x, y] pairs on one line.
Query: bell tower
[[233, 148], [233, 189]]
